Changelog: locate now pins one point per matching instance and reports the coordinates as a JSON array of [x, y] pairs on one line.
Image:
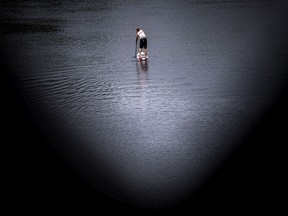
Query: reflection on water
[[142, 66], [159, 126], [142, 71]]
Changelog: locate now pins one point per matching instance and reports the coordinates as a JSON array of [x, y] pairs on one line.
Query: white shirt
[[141, 34]]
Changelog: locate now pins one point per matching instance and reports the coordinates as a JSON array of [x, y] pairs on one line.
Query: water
[[153, 131]]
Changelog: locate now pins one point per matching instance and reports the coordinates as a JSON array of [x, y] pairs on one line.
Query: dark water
[[147, 132]]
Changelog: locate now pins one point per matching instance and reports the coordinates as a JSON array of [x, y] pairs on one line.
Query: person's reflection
[[142, 71]]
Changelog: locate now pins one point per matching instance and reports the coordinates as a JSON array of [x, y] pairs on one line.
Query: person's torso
[[141, 34]]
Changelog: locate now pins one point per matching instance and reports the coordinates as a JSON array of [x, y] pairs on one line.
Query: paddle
[[136, 48]]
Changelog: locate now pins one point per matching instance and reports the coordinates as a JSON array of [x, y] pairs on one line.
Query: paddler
[[143, 41]]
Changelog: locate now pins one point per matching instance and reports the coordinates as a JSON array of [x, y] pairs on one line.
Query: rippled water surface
[[158, 127]]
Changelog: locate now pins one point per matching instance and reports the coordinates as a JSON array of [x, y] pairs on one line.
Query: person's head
[[138, 29]]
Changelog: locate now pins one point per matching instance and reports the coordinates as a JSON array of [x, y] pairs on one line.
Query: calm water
[[153, 131]]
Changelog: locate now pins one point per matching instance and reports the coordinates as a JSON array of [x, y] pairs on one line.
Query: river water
[[148, 133]]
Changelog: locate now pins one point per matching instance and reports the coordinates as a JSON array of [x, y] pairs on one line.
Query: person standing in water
[[143, 41]]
